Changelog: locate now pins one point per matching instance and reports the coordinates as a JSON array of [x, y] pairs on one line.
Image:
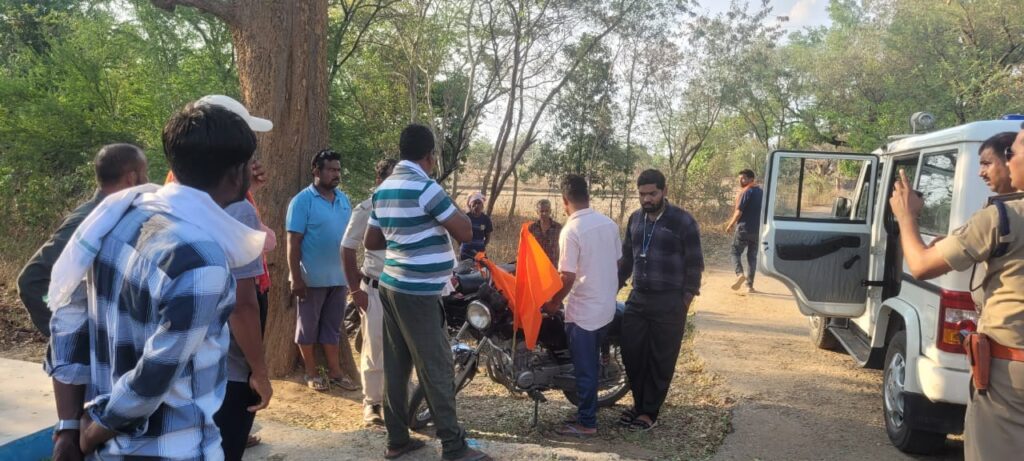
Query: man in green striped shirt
[[411, 218]]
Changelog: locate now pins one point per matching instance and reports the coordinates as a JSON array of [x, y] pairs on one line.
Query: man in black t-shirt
[[746, 219]]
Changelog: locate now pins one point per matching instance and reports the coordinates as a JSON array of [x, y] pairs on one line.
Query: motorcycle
[[465, 283], [486, 338]]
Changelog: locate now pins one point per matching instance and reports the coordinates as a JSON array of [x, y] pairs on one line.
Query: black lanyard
[[648, 238]]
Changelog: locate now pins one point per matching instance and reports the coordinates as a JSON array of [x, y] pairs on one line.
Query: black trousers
[[652, 334], [261, 299], [234, 420]]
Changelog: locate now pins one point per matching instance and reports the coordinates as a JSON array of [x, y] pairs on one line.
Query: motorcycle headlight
[[478, 315]]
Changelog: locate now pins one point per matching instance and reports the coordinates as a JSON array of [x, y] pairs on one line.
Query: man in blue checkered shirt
[[138, 354]]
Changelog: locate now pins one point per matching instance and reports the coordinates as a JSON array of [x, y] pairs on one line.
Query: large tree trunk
[[282, 68]]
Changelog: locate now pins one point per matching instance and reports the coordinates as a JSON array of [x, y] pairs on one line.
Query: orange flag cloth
[[535, 282]]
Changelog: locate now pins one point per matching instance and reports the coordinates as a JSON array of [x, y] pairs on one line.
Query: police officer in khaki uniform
[[994, 428]]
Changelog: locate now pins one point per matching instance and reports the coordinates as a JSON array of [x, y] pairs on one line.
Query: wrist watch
[[67, 425]]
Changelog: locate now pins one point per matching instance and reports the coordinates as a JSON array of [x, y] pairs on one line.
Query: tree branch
[[222, 9]]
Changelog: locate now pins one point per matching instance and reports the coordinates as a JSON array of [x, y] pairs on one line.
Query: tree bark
[[515, 194], [282, 69]]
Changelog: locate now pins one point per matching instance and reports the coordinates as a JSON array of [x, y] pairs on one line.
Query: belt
[[1000, 351], [370, 281]]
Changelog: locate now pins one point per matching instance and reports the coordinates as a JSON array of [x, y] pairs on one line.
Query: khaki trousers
[[994, 428]]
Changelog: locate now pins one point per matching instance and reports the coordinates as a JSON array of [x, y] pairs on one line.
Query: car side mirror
[[841, 208]]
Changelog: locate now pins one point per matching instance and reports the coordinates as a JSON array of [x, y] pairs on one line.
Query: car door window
[[819, 189], [935, 182]]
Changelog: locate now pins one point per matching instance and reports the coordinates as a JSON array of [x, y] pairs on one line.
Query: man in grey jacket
[[118, 167]]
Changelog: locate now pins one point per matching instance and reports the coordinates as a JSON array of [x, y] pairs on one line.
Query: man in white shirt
[[589, 250], [365, 295]]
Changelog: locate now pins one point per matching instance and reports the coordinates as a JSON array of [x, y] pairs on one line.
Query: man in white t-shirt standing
[[589, 250]]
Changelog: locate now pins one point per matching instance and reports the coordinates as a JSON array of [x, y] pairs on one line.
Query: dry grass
[[19, 339], [693, 423]]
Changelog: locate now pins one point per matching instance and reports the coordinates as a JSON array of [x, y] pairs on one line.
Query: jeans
[[745, 241], [585, 347]]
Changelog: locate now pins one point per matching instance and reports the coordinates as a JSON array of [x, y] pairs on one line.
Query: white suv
[[828, 234]]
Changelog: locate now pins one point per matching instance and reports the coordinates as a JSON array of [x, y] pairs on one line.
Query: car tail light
[[956, 314]]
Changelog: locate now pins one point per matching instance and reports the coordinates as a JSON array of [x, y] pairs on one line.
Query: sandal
[[413, 445], [317, 384], [639, 425], [345, 384], [252, 441], [575, 430], [627, 417]]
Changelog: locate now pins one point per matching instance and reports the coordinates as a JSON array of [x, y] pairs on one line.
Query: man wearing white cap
[[248, 389], [482, 227]]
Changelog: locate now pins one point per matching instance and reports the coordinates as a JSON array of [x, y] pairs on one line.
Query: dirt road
[[794, 402]]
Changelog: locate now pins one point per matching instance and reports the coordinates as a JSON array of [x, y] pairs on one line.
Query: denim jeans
[[745, 241], [585, 347]]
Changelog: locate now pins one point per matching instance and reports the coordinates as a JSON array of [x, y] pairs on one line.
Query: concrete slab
[[26, 403]]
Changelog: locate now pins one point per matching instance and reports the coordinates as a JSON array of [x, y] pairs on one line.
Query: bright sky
[[802, 13]]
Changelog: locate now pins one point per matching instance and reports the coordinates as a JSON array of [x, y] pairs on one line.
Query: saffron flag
[[535, 282]]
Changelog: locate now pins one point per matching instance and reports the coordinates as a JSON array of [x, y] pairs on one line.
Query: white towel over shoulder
[[240, 243]]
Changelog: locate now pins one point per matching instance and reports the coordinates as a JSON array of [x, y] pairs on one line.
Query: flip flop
[[413, 445], [627, 416], [252, 441], [317, 384], [345, 384], [639, 425], [574, 430]]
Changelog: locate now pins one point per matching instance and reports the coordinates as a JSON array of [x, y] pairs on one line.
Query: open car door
[[816, 228]]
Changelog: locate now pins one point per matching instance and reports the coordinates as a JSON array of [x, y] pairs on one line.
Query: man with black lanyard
[[661, 251]]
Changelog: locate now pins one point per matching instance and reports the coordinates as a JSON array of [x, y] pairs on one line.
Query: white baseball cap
[[229, 103]]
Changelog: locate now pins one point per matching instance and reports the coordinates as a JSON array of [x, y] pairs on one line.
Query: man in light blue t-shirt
[[317, 217]]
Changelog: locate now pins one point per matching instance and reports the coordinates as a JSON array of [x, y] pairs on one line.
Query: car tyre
[[820, 336], [903, 437]]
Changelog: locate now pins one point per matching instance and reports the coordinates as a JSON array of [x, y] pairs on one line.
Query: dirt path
[[283, 442], [794, 402]]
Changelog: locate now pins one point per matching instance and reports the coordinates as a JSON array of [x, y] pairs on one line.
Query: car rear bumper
[[940, 384]]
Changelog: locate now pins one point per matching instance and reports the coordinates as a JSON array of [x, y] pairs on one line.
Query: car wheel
[[820, 336], [906, 439]]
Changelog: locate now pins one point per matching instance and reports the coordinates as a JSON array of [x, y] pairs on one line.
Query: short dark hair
[[203, 142], [651, 176], [574, 188], [999, 143], [417, 142], [113, 161], [326, 155], [543, 202], [384, 167], [747, 173]]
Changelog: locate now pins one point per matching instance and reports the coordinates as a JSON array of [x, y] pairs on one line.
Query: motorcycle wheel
[[419, 410], [613, 385]]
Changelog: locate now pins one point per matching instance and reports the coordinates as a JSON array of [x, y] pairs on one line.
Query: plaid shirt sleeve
[[693, 257], [67, 354], [187, 309]]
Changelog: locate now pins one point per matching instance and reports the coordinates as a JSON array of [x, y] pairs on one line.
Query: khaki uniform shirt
[[1002, 317]]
